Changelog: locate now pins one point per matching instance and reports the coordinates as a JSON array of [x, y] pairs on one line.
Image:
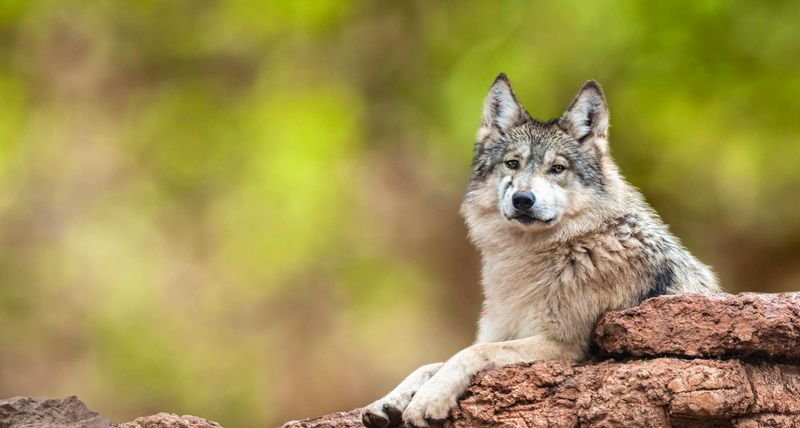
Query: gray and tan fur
[[563, 238]]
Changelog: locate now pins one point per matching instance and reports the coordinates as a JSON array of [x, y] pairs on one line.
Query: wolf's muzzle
[[523, 201]]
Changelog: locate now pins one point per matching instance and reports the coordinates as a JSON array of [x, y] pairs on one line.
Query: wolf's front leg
[[387, 412], [433, 401]]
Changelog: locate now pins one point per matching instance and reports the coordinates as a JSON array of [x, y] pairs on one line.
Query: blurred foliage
[[248, 210]]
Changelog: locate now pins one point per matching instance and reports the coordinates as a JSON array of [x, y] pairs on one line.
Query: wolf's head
[[534, 175]]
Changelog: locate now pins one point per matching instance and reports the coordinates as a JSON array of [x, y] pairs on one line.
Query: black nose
[[523, 200]]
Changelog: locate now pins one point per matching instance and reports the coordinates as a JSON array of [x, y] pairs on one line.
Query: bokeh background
[[248, 210]]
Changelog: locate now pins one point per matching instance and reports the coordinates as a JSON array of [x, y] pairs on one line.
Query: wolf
[[562, 237]]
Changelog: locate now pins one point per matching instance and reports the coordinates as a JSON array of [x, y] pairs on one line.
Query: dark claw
[[395, 415], [435, 422], [372, 420]]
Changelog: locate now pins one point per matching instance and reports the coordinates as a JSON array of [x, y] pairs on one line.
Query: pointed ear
[[586, 119], [501, 109]]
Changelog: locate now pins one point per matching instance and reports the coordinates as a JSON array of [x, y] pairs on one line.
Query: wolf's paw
[[388, 411], [430, 406], [382, 414]]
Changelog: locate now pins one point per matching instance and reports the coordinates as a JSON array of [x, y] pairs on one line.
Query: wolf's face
[[543, 175], [533, 174]]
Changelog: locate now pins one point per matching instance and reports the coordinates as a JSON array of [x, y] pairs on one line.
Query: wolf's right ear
[[501, 109]]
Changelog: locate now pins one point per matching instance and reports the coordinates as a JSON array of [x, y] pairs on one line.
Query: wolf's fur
[[588, 244]]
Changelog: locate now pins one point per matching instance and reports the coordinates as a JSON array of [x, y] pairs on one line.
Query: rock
[[70, 412], [169, 420], [768, 420], [656, 393], [749, 384], [26, 412], [662, 392], [745, 325], [340, 420]]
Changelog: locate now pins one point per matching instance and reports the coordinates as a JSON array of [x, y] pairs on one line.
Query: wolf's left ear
[[586, 119], [501, 109]]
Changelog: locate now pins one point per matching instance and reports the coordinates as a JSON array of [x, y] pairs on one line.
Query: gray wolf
[[563, 238]]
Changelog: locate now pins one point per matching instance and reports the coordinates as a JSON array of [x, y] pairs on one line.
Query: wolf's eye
[[512, 164], [557, 169]]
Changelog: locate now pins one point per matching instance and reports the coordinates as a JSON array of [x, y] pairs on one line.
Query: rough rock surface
[[25, 412], [340, 419], [169, 420], [70, 412], [662, 392], [744, 325], [736, 369]]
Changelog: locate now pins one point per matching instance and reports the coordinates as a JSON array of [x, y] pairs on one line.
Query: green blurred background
[[248, 210]]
